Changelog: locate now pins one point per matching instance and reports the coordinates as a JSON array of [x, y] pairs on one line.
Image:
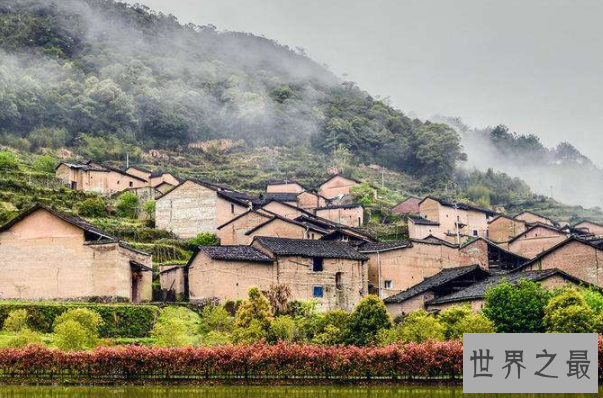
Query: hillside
[[99, 79]]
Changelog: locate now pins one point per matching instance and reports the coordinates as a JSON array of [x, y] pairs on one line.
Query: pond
[[253, 392]]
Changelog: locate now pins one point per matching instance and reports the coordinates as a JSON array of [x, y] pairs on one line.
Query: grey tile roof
[[442, 277], [309, 248], [378, 247], [340, 206], [478, 290], [461, 206], [279, 196], [423, 221], [235, 253]]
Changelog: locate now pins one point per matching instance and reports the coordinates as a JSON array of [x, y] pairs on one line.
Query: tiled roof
[[537, 215], [592, 243], [235, 253], [73, 220], [309, 248], [140, 168], [532, 226], [434, 240], [379, 247], [423, 221], [478, 290], [461, 206], [275, 216], [339, 206], [442, 277], [279, 196], [84, 167]]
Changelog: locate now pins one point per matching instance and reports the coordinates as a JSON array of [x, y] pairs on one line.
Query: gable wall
[[503, 229], [536, 241], [337, 186], [282, 210], [352, 217], [234, 233], [591, 228], [284, 188], [409, 206], [309, 201], [282, 229], [533, 218]]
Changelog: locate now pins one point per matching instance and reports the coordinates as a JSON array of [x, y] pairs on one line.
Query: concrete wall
[[234, 233], [352, 217], [44, 257], [337, 186], [534, 242], [410, 266], [504, 229], [577, 259], [191, 209]]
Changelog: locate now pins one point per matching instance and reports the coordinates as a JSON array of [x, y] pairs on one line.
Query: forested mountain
[[74, 70]]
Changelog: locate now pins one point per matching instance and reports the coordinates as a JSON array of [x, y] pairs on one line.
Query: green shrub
[[255, 308], [175, 327], [569, 312], [475, 323], [89, 319], [15, 321], [390, 336], [516, 309], [24, 338], [203, 239], [119, 320], [148, 208], [420, 326], [127, 204], [367, 319], [71, 335], [593, 298], [45, 164], [212, 339], [284, 328], [92, 207], [49, 138], [254, 332], [215, 318], [451, 319], [8, 161], [330, 335]]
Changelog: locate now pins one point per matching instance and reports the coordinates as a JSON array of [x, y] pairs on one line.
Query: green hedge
[[120, 320]]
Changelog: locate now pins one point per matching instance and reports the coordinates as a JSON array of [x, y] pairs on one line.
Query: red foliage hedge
[[433, 359]]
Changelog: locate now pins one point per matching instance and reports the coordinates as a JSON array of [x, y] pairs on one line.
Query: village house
[[285, 186], [502, 228], [281, 227], [589, 227], [489, 255], [93, 177], [409, 205], [396, 266], [421, 228], [289, 198], [580, 258], [457, 220], [197, 206], [164, 187], [475, 294], [350, 215], [48, 255], [155, 177], [535, 240], [337, 186], [284, 209], [173, 279], [233, 232], [534, 218], [333, 273], [442, 284], [310, 200]]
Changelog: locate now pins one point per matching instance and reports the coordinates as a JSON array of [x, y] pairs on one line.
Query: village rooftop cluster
[[311, 240]]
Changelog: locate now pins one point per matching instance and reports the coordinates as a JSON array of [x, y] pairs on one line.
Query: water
[[256, 392]]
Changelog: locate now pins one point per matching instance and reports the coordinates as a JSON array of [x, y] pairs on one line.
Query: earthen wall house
[[533, 218], [421, 228], [194, 207], [309, 200], [337, 185], [535, 240], [280, 227], [172, 279], [284, 209], [47, 255], [349, 215], [233, 232], [284, 187], [99, 179], [332, 273], [394, 267], [590, 227], [408, 206], [578, 258], [503, 228]]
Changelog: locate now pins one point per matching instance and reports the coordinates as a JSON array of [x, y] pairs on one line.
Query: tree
[[451, 319], [45, 164], [279, 295], [92, 207], [15, 321], [214, 318], [568, 312], [127, 204], [203, 239], [367, 319], [149, 209], [516, 309], [77, 329], [8, 161], [253, 318], [420, 326]]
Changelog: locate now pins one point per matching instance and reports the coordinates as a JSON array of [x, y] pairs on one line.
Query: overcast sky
[[534, 65]]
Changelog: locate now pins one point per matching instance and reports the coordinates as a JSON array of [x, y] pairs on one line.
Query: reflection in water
[[254, 392]]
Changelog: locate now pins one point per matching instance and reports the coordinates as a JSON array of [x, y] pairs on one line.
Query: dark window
[[318, 291], [232, 208], [131, 184], [338, 281], [73, 185], [117, 182], [317, 264], [475, 232], [389, 284], [359, 222]]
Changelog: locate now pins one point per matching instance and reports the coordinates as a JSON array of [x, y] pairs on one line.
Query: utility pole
[[127, 160]]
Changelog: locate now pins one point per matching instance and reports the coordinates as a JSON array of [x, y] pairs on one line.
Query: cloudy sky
[[534, 65]]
